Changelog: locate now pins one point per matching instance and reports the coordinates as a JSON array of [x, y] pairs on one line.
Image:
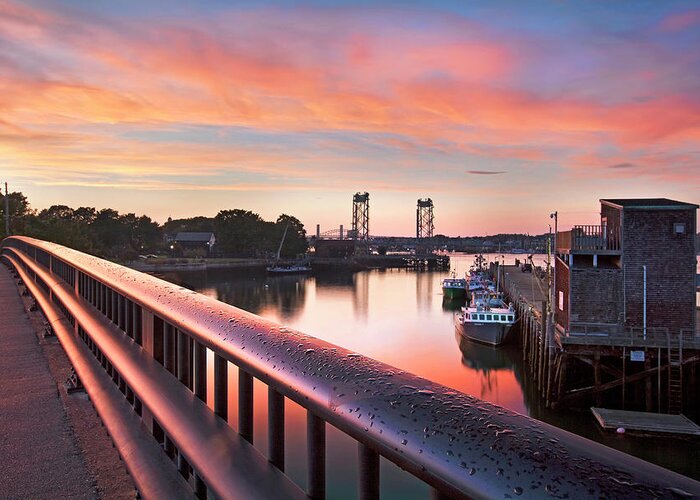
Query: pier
[[621, 325], [549, 354]]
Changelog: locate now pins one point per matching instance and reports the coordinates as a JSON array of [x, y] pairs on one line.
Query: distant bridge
[[139, 344]]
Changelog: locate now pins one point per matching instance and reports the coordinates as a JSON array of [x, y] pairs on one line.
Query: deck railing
[[590, 238], [620, 335], [152, 337]]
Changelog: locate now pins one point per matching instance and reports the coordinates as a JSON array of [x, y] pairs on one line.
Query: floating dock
[[645, 422]]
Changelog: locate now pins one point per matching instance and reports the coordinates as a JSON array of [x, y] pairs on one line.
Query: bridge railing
[[152, 339]]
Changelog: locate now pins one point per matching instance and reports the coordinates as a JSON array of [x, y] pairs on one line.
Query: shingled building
[[643, 252]]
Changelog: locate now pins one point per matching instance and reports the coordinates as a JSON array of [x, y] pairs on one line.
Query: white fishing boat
[[487, 319]]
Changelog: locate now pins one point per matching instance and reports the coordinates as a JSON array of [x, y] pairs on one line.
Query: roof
[[194, 237], [648, 203]]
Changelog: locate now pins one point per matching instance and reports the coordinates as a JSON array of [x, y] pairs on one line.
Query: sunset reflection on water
[[398, 317]]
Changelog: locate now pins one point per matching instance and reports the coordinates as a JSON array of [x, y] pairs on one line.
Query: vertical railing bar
[[183, 361], [316, 442], [138, 319], [189, 343], [200, 371], [200, 489], [275, 423], [127, 317], [368, 478], [438, 495], [245, 405], [120, 300], [220, 386], [169, 447], [168, 347], [183, 467]]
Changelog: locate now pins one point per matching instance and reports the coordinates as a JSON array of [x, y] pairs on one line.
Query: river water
[[398, 317]]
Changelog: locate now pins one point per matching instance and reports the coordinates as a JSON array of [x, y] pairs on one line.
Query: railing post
[[147, 320], [128, 321], [135, 323], [183, 358], [115, 306], [200, 489], [368, 464], [438, 495], [200, 371], [120, 311], [316, 442], [275, 423], [221, 386], [245, 405], [168, 348]]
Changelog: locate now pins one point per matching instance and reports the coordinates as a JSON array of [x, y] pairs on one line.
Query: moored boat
[[291, 269], [295, 268], [488, 319], [454, 288]]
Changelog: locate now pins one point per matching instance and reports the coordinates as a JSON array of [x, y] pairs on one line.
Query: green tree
[[19, 213], [241, 233], [57, 224], [197, 224], [295, 242]]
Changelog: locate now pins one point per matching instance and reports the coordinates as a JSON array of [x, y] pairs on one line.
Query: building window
[[561, 300], [679, 228]]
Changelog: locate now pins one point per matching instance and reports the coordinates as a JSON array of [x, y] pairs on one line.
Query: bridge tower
[[360, 216], [425, 221]]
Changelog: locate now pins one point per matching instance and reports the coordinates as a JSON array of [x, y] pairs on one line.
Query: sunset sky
[[501, 112]]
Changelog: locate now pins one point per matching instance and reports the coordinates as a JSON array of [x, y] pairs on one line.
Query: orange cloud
[[439, 93]]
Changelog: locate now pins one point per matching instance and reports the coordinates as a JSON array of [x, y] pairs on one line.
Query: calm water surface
[[398, 317]]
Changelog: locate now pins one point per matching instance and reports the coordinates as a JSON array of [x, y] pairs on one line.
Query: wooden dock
[[642, 421], [579, 367]]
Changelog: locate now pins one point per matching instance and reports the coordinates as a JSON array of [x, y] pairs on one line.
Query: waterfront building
[[194, 240], [634, 271]]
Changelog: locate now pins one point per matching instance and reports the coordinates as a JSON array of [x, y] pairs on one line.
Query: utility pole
[[7, 212]]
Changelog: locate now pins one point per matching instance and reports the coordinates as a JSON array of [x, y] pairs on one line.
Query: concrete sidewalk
[[39, 455]]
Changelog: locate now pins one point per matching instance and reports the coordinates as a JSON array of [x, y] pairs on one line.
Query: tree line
[[109, 234]]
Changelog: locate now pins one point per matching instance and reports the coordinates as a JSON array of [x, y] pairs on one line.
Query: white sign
[[636, 355]]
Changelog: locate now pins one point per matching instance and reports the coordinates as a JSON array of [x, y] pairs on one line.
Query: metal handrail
[[460, 445]]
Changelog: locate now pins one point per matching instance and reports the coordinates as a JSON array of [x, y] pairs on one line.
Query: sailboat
[[276, 268]]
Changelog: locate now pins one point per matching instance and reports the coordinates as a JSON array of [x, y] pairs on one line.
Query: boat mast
[[284, 235]]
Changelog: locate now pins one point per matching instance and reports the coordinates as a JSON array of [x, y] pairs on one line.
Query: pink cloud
[[442, 91], [680, 22]]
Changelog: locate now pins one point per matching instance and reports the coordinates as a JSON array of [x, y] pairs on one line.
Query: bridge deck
[[41, 457]]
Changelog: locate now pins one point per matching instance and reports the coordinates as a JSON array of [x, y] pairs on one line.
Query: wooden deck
[[645, 422], [526, 285]]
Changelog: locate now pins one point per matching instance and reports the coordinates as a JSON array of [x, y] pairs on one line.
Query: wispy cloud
[[680, 21], [274, 99], [486, 172]]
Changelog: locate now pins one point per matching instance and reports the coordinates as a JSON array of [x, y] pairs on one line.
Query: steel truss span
[[150, 338]]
